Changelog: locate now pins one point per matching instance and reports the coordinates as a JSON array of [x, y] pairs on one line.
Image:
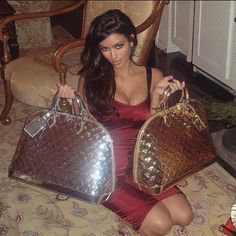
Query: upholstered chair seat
[[39, 90]]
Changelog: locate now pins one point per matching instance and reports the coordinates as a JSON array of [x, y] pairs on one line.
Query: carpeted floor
[[31, 211]]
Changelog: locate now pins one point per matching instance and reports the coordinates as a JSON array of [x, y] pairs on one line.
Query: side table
[[7, 10]]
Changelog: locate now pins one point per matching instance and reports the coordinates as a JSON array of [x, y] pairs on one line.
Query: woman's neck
[[128, 68]]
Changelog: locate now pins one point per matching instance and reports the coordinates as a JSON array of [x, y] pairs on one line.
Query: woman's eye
[[104, 49], [118, 46]]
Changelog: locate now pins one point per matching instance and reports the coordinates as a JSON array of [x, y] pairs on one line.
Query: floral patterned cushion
[[30, 84]]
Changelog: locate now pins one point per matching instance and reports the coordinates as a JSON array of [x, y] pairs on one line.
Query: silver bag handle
[[83, 113], [82, 109]]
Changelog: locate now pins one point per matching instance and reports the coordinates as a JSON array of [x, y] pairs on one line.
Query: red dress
[[128, 202]]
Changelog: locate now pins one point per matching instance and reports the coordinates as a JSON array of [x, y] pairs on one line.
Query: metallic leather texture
[[172, 144], [72, 154]]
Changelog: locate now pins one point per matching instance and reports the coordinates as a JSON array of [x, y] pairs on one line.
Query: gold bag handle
[[166, 94], [190, 111]]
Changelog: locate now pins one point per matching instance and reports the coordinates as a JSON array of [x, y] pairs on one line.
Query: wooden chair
[[33, 80]]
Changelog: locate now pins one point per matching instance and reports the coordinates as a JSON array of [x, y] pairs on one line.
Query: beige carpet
[[30, 211]]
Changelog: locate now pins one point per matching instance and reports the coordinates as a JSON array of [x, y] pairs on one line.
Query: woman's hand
[[159, 88], [65, 91]]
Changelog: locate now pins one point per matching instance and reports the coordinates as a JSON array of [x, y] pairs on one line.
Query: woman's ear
[[132, 40]]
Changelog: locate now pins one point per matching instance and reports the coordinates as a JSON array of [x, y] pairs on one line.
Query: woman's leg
[[157, 222], [173, 210], [179, 209]]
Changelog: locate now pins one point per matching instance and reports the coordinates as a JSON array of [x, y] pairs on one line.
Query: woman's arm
[[158, 86]]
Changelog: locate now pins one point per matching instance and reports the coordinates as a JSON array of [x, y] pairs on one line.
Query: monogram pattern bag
[[69, 154], [171, 144]]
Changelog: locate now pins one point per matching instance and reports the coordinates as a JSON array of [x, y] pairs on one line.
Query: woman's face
[[116, 48]]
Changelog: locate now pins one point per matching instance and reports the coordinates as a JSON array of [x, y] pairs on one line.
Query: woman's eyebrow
[[112, 45], [119, 42]]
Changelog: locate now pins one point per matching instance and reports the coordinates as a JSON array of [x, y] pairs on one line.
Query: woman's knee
[[157, 224], [180, 209], [158, 227], [185, 216], [163, 226]]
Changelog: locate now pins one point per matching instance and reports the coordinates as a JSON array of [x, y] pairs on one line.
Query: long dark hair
[[99, 86]]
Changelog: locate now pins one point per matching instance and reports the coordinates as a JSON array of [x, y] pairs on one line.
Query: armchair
[[33, 80]]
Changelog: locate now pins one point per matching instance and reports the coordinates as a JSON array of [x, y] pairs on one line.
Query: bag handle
[[82, 108], [82, 111], [166, 94], [190, 111]]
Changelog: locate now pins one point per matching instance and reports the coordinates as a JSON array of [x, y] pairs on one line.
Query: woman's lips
[[116, 62]]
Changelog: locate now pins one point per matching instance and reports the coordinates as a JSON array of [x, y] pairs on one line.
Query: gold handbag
[[171, 144]]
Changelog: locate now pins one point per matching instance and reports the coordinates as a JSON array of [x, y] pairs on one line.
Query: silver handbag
[[70, 154]]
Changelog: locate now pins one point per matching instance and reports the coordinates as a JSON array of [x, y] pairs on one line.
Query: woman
[[121, 95]]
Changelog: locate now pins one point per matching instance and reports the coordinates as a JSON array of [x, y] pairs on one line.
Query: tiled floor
[[176, 65]]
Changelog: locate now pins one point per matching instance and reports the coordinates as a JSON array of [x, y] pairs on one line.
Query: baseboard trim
[[216, 81]]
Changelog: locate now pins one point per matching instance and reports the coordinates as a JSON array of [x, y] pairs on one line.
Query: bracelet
[[155, 108]]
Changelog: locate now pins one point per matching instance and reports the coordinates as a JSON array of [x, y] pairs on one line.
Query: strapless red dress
[[130, 203]]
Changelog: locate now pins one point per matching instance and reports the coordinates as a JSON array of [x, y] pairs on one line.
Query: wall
[[163, 38], [205, 32]]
